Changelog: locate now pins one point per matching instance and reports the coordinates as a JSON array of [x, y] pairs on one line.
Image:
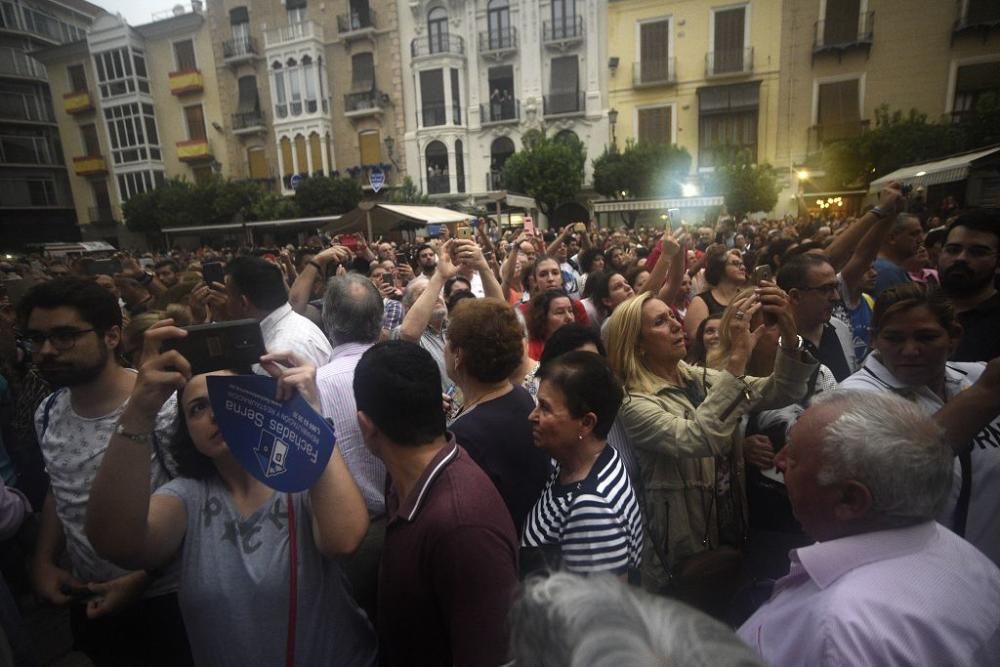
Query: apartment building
[[138, 105], [35, 200], [842, 59], [702, 74], [310, 88], [481, 73]]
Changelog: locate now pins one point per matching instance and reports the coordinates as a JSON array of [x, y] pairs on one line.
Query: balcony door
[[730, 40], [654, 50], [194, 116], [91, 145], [437, 30], [838, 111], [841, 23], [498, 24]]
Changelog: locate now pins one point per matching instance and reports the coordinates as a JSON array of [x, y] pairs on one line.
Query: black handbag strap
[[961, 515]]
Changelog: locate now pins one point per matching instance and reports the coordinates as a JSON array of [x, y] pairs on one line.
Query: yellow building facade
[[134, 107], [697, 73]]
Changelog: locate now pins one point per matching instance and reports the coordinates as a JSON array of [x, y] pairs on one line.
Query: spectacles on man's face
[[828, 289], [972, 251], [61, 339]]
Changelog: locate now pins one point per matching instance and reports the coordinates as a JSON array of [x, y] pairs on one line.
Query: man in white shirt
[[885, 584], [256, 290]]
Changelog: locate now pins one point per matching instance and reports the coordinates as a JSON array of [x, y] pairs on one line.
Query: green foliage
[[747, 187], [406, 193], [548, 170], [642, 170], [324, 195]]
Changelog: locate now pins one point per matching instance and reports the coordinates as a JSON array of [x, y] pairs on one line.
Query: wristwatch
[[879, 212], [141, 438], [799, 346]]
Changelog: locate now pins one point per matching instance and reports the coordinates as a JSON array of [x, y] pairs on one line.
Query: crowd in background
[[552, 448]]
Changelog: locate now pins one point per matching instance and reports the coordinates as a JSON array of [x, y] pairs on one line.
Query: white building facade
[[478, 74]]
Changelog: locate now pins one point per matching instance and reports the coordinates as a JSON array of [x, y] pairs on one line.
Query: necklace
[[471, 405]]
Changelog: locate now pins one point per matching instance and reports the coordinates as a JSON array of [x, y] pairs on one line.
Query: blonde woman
[[684, 424]]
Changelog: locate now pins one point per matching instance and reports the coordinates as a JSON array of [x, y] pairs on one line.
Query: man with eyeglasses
[[813, 291], [968, 266], [74, 329]]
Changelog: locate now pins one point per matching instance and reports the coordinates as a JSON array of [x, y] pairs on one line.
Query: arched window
[[498, 25], [459, 166], [294, 87], [280, 97], [309, 73], [567, 137], [436, 157], [437, 30], [500, 150]]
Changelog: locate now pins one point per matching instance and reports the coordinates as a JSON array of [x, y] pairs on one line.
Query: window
[[294, 87], [136, 182], [257, 162], [370, 147], [563, 19], [42, 192], [249, 100], [360, 14], [564, 86], [437, 30], [116, 75], [296, 12], [280, 99], [91, 145], [432, 97], [498, 25], [194, 117], [77, 78], [840, 25], [459, 166], [978, 12], [362, 72], [184, 54], [202, 174], [838, 112], [287, 164], [316, 153], [502, 105], [309, 74], [729, 34], [102, 199], [500, 150], [654, 50], [437, 168], [132, 131], [654, 125], [972, 82], [727, 119], [456, 99]]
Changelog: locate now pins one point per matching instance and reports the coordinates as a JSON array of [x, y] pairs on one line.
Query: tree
[[175, 203], [406, 193], [746, 186], [641, 170], [322, 195], [548, 170]]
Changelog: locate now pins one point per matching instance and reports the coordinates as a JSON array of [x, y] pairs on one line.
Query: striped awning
[[624, 205], [947, 170]]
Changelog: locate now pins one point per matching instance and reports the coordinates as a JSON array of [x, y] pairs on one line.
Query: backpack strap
[[961, 516], [48, 409]]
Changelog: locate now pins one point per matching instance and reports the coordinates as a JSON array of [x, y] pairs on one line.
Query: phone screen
[[236, 345], [212, 272]]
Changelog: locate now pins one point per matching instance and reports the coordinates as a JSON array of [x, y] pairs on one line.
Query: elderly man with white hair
[[884, 584]]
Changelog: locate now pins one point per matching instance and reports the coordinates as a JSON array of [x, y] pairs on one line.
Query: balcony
[[494, 181], [729, 62], [823, 135], [194, 150], [840, 36], [249, 122], [239, 50], [78, 102], [563, 32], [500, 111], [297, 107], [564, 104], [647, 73], [14, 63], [293, 32], [22, 18], [360, 105], [90, 165], [431, 45], [186, 82], [976, 17], [438, 184], [497, 44], [356, 25], [101, 215]]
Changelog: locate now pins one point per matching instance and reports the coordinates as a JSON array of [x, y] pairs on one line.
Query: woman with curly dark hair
[[485, 345], [547, 311]]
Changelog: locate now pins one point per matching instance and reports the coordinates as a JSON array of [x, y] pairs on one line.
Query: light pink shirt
[[912, 596]]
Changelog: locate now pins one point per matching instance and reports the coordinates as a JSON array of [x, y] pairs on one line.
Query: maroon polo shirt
[[449, 568]]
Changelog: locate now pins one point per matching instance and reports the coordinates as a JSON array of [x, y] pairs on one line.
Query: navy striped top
[[595, 522]]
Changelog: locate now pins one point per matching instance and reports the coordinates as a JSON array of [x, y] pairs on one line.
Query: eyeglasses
[[61, 339], [973, 251], [828, 289]]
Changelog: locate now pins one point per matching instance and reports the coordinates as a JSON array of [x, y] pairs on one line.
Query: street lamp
[[612, 121]]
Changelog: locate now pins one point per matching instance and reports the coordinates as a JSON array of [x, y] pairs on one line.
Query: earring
[[579, 437]]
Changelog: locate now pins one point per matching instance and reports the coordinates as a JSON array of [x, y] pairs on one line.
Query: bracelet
[[315, 265], [799, 346], [879, 212], [141, 438]]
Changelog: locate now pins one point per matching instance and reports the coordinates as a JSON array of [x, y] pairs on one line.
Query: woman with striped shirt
[[587, 519]]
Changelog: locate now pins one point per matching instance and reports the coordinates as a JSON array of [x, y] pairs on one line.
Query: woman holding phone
[[239, 543]]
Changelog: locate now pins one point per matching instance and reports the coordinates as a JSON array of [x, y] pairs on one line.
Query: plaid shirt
[[393, 316]]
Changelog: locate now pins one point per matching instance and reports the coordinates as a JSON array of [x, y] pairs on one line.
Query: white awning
[[393, 217], [947, 170], [616, 205], [428, 214], [316, 222]]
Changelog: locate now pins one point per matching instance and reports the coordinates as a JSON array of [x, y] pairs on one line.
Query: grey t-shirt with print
[[73, 447], [235, 583]]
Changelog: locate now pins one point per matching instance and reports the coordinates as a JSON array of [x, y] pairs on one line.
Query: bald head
[[352, 310]]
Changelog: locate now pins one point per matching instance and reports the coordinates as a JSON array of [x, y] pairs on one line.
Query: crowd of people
[[763, 442]]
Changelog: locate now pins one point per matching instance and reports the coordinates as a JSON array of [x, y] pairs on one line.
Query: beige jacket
[[677, 445]]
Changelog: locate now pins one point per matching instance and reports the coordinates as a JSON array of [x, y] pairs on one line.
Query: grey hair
[[573, 621], [352, 310], [890, 446]]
